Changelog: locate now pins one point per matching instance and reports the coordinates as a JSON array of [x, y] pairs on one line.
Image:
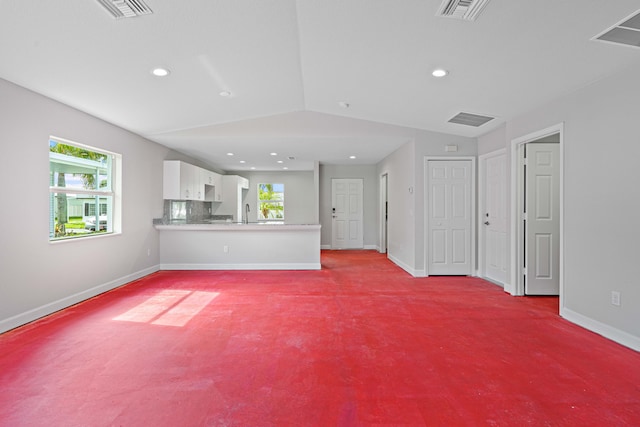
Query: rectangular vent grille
[[469, 119], [126, 8], [467, 10], [626, 32]]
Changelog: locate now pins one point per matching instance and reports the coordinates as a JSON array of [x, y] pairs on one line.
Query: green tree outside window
[[77, 175], [271, 201]]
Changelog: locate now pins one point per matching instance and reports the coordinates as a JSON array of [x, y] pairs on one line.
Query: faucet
[[246, 213]]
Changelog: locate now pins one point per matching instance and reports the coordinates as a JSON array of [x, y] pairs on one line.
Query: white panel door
[[347, 200], [542, 219], [494, 218], [449, 217]]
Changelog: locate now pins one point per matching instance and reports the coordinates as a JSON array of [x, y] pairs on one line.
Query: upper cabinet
[[212, 183], [183, 181], [235, 191], [243, 183], [179, 181], [218, 188]]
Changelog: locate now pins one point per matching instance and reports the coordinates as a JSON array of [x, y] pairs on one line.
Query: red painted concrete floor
[[359, 343]]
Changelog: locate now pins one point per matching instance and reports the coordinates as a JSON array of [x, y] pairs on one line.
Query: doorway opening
[[536, 218], [384, 212]]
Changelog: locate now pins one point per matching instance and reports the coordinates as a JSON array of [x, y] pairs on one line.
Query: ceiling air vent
[[470, 119], [467, 10], [626, 32], [126, 8]]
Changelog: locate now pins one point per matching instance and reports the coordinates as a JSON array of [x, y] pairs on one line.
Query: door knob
[[486, 223]]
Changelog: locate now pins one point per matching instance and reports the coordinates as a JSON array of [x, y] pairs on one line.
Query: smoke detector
[[467, 10], [126, 8]]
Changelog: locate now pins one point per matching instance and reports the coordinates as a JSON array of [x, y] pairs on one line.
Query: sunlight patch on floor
[[169, 308]]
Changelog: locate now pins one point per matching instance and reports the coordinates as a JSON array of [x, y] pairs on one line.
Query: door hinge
[[524, 216], [524, 271]]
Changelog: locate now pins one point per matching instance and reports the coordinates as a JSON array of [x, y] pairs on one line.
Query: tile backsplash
[[190, 211]]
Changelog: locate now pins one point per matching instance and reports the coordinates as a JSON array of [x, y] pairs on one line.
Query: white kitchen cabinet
[[207, 177], [212, 183], [243, 183], [182, 181], [219, 187], [235, 191], [197, 183], [178, 180]]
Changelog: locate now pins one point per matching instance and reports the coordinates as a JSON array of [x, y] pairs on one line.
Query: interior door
[[449, 220], [347, 226], [542, 219], [494, 218]]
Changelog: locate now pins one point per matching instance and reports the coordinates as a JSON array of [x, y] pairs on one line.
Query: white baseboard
[[283, 266], [367, 247], [607, 331], [495, 282], [405, 267], [52, 307]]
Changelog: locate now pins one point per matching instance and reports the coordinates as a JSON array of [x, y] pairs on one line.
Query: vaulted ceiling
[[290, 66]]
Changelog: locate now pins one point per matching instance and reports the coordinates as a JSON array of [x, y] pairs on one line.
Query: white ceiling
[[288, 63]]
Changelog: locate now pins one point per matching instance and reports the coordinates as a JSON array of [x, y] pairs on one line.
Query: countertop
[[221, 225]]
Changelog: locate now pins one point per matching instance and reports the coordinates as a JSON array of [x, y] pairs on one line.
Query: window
[[90, 209], [81, 183], [271, 201]]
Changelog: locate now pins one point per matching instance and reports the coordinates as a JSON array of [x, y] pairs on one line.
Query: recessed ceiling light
[[352, 157], [280, 161], [242, 161], [273, 154], [229, 154], [253, 167], [285, 168], [343, 104], [439, 72], [160, 72], [225, 93]]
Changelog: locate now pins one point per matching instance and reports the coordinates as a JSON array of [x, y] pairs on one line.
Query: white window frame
[[281, 201], [113, 192]]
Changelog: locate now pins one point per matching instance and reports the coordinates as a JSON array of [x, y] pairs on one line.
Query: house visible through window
[[81, 183], [271, 201], [90, 209]]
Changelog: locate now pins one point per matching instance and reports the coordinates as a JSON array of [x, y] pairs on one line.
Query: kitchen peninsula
[[204, 224], [220, 245]]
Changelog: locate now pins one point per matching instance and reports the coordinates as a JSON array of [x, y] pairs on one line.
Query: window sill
[[87, 237]]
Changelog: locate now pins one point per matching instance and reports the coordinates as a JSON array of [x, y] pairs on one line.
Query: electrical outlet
[[225, 248], [148, 251], [615, 298]]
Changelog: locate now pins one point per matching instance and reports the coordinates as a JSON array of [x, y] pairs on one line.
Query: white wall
[[38, 277], [370, 201], [601, 200], [401, 234], [299, 194], [492, 141], [405, 170]]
